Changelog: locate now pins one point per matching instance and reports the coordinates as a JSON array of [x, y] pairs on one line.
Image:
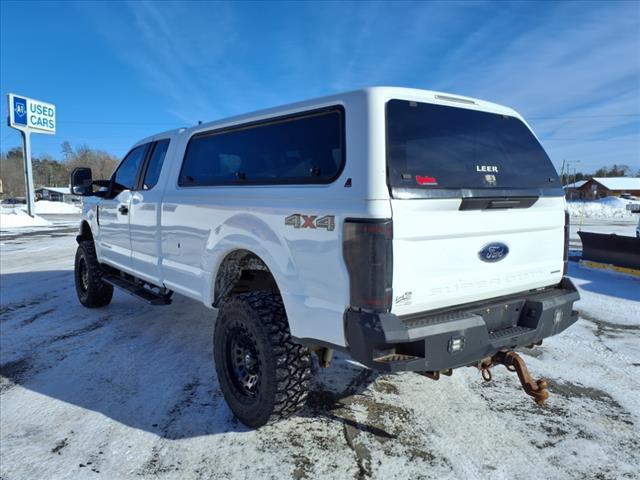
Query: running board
[[137, 290]]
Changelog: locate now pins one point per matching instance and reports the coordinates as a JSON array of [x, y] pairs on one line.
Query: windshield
[[434, 147]]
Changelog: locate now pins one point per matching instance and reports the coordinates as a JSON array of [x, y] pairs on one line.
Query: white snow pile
[[48, 207], [608, 207], [615, 202], [18, 218]]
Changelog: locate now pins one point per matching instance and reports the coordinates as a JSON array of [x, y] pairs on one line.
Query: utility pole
[[562, 179], [569, 164]]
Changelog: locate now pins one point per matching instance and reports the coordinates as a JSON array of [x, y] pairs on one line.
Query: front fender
[[88, 218]]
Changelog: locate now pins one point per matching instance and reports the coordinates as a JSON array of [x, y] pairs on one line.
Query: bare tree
[[613, 171], [50, 172], [102, 164], [12, 173]]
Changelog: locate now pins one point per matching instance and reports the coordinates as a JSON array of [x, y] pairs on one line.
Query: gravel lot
[[130, 391]]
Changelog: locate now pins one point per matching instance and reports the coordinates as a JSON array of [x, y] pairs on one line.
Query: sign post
[[28, 171], [30, 116]]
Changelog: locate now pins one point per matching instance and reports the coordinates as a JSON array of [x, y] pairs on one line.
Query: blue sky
[[120, 71]]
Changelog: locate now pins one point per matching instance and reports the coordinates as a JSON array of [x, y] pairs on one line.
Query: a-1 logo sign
[[20, 110], [29, 114], [298, 220]]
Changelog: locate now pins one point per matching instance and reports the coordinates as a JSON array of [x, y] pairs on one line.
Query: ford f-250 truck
[[414, 230]]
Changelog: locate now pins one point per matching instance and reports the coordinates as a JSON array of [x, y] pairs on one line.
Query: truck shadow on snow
[[149, 368]]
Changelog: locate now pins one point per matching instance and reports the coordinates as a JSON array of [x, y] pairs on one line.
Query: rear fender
[[248, 232]]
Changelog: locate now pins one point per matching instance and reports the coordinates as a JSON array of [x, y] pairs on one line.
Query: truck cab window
[[126, 174], [154, 167]]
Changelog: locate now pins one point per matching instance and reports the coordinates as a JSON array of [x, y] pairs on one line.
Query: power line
[[586, 139], [81, 122], [178, 125], [560, 117]]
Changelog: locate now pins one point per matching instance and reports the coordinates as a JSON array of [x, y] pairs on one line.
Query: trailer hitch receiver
[[514, 363]]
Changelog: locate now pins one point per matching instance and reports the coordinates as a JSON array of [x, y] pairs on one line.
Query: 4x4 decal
[[298, 220]]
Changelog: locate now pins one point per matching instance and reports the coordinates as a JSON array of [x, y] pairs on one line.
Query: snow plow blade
[[618, 250]]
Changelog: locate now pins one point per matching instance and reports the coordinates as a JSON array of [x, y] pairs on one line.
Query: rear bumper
[[460, 337]]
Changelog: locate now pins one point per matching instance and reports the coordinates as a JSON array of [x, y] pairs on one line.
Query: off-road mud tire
[[285, 366], [92, 291]]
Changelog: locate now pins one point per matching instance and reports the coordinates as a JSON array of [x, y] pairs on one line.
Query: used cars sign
[[29, 114]]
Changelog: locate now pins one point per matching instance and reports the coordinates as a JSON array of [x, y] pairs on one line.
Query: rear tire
[[92, 291], [263, 374]]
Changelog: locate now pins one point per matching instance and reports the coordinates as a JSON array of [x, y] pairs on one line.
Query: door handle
[[123, 209]]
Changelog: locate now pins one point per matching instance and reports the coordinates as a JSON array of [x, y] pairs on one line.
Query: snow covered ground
[[130, 391], [14, 221], [608, 207], [17, 218], [44, 207], [48, 207]]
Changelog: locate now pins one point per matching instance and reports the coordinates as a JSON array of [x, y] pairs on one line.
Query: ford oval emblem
[[493, 252]]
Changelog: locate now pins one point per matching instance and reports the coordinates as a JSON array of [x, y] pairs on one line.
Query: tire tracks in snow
[[14, 307], [605, 327], [21, 370], [373, 416], [170, 430]]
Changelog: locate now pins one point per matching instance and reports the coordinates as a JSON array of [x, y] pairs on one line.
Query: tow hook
[[514, 363], [485, 369]]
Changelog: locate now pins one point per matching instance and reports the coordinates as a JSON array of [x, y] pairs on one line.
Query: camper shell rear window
[[445, 151]]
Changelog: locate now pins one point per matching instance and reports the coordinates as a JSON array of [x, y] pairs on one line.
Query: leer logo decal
[[486, 168], [298, 220]]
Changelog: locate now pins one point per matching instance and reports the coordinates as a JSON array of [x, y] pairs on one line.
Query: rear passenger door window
[[300, 149], [154, 165]]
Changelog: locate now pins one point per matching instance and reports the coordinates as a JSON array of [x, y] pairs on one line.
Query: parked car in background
[[13, 201]]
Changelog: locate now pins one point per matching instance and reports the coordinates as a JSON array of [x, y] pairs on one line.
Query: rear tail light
[[565, 255], [368, 254]]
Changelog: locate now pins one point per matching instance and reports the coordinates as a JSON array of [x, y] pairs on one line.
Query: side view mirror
[[81, 182]]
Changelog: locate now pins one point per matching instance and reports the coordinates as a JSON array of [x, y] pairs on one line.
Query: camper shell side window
[[306, 148]]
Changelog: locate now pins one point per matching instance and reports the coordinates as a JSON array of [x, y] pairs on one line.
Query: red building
[[600, 187]]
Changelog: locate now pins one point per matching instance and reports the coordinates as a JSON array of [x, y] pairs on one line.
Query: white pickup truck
[[413, 230]]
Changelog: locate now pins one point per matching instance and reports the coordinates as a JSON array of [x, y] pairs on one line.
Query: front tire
[[263, 374], [92, 291]]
